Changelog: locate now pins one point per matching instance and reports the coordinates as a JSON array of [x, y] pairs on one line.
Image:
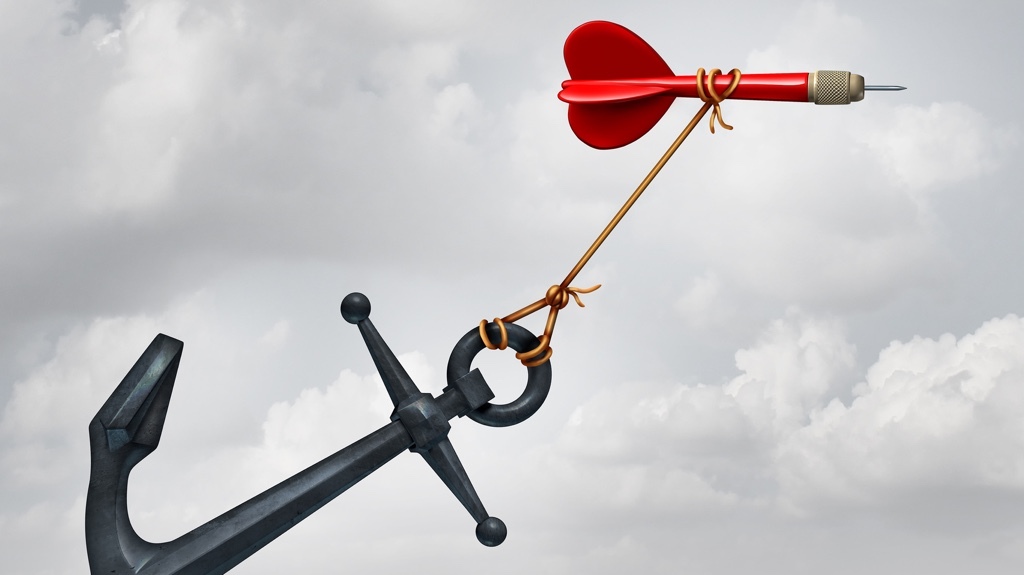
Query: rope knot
[[558, 297], [711, 96]]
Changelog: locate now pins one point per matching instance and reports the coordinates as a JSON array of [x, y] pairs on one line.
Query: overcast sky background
[[806, 356]]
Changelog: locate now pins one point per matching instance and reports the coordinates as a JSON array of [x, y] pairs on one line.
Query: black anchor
[[127, 429]]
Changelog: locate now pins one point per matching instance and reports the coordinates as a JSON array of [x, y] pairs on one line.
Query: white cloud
[[44, 444], [671, 448], [797, 364], [932, 414], [317, 422], [146, 118], [45, 422], [110, 43], [30, 537], [941, 416]]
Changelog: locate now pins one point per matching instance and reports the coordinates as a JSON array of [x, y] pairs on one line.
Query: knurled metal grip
[[830, 87]]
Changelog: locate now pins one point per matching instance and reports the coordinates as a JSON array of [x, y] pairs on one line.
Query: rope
[[557, 296]]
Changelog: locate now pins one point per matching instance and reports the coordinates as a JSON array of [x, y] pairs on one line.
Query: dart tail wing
[[602, 50]]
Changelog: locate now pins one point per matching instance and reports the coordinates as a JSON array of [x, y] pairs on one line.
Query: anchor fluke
[[137, 409]]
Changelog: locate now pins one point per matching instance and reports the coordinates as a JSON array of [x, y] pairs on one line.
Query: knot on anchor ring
[[558, 296]]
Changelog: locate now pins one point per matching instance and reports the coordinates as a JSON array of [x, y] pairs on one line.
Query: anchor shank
[[226, 541]]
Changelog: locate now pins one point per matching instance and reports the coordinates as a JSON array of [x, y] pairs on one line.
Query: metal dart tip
[[885, 88]]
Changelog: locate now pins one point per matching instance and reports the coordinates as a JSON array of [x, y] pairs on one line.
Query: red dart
[[620, 87]]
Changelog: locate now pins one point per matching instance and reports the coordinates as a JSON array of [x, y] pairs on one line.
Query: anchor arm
[[226, 541], [127, 429]]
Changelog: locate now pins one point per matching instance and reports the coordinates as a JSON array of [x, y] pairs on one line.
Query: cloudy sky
[[807, 356]]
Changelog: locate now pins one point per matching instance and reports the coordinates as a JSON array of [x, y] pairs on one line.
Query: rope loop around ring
[[539, 354], [527, 358], [557, 297], [487, 341]]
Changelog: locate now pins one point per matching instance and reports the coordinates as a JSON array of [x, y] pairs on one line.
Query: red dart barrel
[[821, 87], [787, 87]]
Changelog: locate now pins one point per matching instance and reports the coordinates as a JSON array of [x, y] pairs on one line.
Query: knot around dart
[[711, 96]]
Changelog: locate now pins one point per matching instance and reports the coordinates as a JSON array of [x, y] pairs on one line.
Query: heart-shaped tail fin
[[602, 50]]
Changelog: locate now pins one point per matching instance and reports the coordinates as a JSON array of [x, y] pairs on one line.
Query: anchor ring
[[538, 378]]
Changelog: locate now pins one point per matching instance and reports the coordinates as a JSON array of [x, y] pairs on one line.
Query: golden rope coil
[[487, 341], [712, 97], [557, 296]]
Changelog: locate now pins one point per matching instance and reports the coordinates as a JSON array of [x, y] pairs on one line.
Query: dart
[[620, 87]]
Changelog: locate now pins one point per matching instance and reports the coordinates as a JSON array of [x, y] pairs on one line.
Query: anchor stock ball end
[[355, 307], [491, 531]]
